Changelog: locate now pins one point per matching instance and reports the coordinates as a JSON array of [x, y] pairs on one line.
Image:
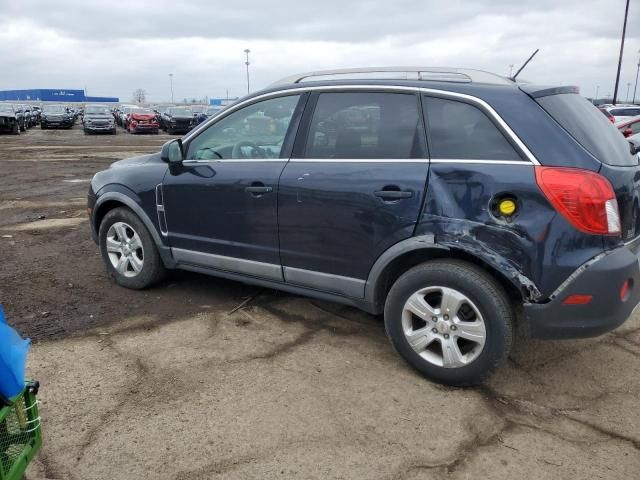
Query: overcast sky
[[112, 47]]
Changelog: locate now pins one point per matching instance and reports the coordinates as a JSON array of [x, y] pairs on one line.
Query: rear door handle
[[393, 194]]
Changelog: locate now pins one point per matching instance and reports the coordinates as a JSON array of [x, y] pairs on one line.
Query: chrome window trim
[[477, 160], [299, 89], [233, 160], [360, 160]]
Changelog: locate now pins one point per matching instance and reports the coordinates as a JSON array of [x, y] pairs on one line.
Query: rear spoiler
[[537, 91]]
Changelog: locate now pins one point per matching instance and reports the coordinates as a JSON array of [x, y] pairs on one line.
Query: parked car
[[208, 112], [178, 120], [122, 112], [22, 121], [160, 110], [37, 111], [624, 112], [98, 118], [629, 127], [28, 120], [54, 115], [8, 119], [415, 199], [143, 120], [606, 113]]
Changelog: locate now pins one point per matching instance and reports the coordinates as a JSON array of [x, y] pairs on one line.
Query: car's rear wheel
[[16, 129], [451, 321], [128, 250]]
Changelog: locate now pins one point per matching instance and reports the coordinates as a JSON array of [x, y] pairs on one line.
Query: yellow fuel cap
[[507, 207]]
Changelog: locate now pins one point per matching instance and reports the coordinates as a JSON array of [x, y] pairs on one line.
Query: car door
[[220, 204], [353, 187]]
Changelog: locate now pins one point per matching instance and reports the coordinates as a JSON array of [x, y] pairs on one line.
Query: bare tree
[[140, 95]]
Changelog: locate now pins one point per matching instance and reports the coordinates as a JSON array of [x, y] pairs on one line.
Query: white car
[[624, 112]]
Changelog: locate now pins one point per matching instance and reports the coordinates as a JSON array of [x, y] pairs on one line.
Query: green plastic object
[[20, 433]]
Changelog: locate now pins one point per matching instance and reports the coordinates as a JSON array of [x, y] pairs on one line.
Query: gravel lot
[[178, 383]]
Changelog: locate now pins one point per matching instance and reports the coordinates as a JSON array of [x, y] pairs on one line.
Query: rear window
[[589, 127]]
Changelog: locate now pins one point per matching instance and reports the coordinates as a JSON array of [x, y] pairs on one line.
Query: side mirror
[[627, 132], [172, 152]]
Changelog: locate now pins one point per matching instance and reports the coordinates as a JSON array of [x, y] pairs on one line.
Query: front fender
[[110, 195]]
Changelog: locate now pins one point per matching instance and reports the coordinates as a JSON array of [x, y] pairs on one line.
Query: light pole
[[636, 87], [628, 87], [624, 31], [596, 97], [510, 70], [247, 52], [171, 83]]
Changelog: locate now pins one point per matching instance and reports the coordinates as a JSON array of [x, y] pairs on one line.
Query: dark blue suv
[[460, 204]]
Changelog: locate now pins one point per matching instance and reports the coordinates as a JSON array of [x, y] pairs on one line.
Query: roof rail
[[438, 74]]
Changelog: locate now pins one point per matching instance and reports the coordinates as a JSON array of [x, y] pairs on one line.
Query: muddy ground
[[176, 383]]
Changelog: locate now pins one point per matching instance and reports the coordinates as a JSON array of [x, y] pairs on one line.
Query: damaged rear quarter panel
[[536, 250]]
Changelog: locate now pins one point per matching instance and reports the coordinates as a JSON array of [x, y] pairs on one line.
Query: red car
[[606, 113], [143, 120], [629, 127]]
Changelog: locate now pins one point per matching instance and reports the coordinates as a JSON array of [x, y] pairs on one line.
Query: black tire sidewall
[[482, 290], [152, 269]]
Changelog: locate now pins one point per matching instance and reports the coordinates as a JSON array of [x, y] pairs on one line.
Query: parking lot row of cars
[[16, 118], [174, 119]]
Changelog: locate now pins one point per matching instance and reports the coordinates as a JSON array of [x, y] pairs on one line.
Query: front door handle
[[258, 188], [393, 194]]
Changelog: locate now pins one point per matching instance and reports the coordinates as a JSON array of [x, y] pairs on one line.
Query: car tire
[[16, 129], [115, 131], [23, 128], [86, 132], [137, 263], [459, 348], [43, 126]]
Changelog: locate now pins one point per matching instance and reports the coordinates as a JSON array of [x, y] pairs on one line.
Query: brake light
[[586, 199]]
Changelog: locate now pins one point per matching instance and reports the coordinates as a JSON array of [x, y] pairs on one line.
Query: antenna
[[525, 64]]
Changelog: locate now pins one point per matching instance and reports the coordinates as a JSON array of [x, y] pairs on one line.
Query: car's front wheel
[[451, 321], [128, 250]]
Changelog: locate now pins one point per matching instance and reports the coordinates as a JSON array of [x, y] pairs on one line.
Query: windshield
[[145, 111], [97, 110], [54, 109], [589, 128], [180, 111], [197, 109], [130, 109], [6, 108]]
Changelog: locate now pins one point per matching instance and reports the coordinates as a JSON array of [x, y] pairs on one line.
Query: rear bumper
[[602, 278]]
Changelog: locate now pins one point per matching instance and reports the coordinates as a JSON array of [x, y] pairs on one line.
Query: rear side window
[[589, 128], [366, 125], [460, 131]]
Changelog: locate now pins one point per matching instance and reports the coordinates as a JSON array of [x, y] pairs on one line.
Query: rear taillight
[[586, 199]]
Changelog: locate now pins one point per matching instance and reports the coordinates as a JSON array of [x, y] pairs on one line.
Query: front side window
[[460, 131], [257, 131], [365, 125]]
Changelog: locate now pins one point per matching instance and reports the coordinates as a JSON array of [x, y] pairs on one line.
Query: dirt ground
[[176, 383]]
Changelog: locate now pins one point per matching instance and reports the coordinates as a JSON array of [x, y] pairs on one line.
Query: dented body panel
[[536, 249]]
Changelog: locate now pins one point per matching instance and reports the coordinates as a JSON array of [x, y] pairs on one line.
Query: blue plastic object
[[13, 359]]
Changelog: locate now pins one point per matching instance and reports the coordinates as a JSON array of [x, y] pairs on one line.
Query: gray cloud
[[115, 47]]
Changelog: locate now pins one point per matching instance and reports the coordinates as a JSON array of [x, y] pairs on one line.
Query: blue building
[[52, 95]]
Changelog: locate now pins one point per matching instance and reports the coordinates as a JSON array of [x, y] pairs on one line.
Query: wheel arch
[[409, 253], [109, 200]]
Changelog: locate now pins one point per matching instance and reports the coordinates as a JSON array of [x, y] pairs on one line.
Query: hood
[[142, 116], [7, 114], [182, 117], [133, 161]]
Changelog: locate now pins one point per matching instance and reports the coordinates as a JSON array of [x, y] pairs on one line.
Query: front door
[[220, 204], [353, 187]]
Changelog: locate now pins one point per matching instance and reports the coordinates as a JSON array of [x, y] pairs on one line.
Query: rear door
[[354, 186]]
